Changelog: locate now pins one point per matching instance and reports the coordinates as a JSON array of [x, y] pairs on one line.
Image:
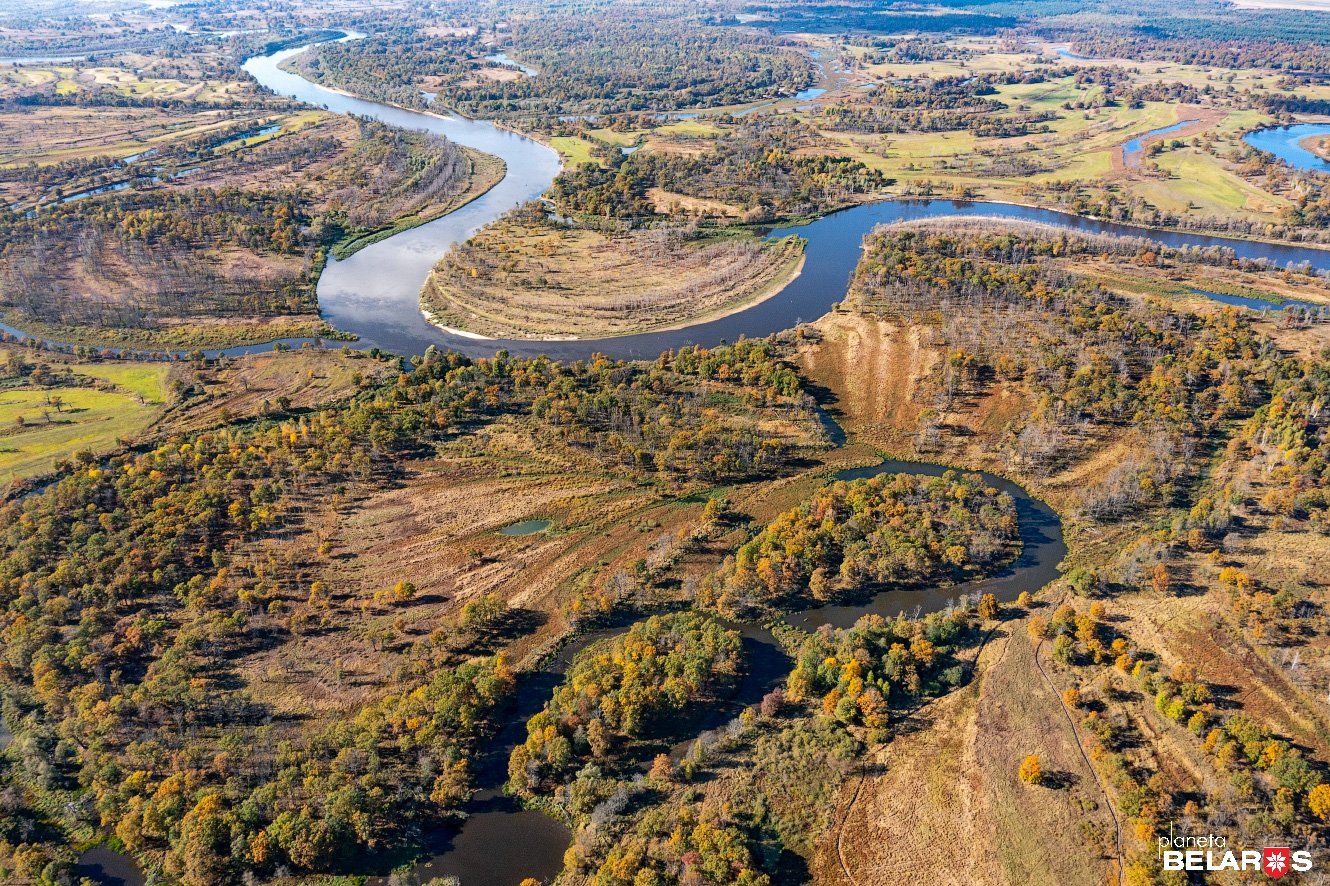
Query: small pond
[[1257, 304], [526, 527]]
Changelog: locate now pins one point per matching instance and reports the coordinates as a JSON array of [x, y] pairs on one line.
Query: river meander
[[500, 843], [375, 294]]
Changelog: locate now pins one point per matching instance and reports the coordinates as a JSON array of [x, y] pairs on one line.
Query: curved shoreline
[[374, 294], [770, 290], [351, 247], [822, 281], [497, 820], [1317, 145], [1286, 142]]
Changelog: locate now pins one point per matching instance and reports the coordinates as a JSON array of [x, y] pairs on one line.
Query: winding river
[[374, 293], [481, 851]]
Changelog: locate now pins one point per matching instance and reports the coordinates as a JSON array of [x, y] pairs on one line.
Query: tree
[[482, 612], [662, 769], [204, 845], [988, 606], [1160, 580], [1030, 771], [1318, 801], [597, 738]]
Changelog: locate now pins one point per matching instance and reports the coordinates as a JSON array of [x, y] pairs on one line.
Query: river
[[375, 294], [379, 300], [376, 291], [1287, 143], [500, 843], [480, 852]]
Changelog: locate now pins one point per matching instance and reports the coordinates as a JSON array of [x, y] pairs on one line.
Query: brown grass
[[940, 804], [527, 279], [672, 203], [1318, 145], [875, 367], [438, 529], [238, 388]]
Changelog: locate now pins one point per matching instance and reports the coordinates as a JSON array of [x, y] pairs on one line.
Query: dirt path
[[936, 804], [1080, 746], [877, 751]]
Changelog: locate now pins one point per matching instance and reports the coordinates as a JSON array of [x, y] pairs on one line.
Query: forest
[[895, 530], [619, 61], [121, 240], [320, 615], [946, 104], [216, 227], [857, 676], [1096, 358], [635, 688], [127, 592], [768, 167]]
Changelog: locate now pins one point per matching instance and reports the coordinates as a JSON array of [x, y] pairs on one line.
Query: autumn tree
[[1030, 770]]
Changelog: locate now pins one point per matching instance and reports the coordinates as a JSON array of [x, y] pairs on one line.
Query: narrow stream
[[1133, 149], [480, 852]]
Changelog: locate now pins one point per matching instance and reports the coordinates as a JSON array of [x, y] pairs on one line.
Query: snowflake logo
[[1275, 861]]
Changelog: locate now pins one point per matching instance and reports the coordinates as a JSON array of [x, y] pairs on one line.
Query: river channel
[[375, 294], [500, 843]]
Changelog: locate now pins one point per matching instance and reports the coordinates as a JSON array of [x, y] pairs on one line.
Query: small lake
[[106, 867], [1132, 150], [1065, 52], [1286, 143], [500, 58], [1259, 304], [526, 527]]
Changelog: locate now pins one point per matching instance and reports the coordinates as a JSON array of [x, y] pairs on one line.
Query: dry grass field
[[936, 802], [524, 279]]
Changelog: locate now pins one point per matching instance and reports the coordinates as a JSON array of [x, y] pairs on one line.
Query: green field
[[573, 150], [1199, 182], [689, 128], [146, 380], [41, 426]]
